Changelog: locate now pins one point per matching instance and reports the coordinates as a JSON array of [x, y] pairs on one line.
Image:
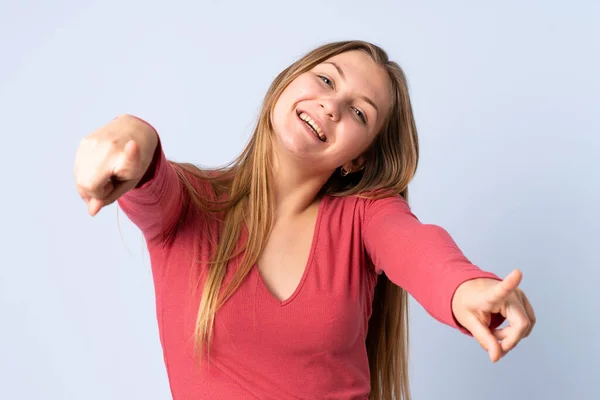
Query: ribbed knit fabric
[[312, 345]]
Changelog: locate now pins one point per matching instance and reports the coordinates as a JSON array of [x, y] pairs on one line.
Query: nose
[[331, 108]]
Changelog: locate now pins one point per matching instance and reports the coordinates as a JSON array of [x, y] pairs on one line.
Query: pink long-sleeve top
[[311, 345]]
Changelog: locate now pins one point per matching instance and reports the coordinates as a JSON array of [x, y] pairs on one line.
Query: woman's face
[[328, 116]]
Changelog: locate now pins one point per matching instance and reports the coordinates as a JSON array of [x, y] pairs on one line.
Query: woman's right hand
[[112, 160]]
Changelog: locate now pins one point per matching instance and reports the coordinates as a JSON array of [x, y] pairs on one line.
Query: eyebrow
[[341, 73]]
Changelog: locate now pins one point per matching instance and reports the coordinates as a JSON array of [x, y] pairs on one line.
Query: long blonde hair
[[391, 162]]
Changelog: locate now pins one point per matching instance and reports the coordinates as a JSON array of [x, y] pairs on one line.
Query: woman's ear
[[355, 165]]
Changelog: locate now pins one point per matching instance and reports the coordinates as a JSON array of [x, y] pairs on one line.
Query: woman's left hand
[[476, 300]]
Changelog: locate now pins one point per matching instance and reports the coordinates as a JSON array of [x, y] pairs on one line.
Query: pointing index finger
[[486, 339]]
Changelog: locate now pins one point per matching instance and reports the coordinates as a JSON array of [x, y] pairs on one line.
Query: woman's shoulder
[[206, 183], [361, 210], [368, 203]]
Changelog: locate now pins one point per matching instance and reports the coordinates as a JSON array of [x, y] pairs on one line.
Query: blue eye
[[360, 115], [326, 80]]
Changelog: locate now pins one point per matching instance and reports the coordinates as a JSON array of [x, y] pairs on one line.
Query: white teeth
[[305, 117]]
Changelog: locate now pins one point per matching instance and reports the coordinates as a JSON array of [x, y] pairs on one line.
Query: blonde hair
[[391, 162]]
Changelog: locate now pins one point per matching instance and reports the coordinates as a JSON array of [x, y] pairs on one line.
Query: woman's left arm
[[425, 261]]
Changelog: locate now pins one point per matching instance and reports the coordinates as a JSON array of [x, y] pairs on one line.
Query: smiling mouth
[[312, 125]]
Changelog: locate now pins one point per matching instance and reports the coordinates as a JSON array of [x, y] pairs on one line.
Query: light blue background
[[507, 101]]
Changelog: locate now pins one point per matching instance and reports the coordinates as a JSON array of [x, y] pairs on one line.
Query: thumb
[[128, 163], [484, 336], [500, 291]]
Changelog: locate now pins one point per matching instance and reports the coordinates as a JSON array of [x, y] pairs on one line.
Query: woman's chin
[[298, 145]]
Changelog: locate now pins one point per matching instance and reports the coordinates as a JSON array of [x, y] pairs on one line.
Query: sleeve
[[421, 258], [156, 203]]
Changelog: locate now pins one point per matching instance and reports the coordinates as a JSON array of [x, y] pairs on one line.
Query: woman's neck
[[295, 190]]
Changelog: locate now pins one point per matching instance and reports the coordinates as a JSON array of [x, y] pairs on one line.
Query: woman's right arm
[[124, 162]]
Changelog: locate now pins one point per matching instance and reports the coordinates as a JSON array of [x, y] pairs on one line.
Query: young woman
[[285, 274]]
